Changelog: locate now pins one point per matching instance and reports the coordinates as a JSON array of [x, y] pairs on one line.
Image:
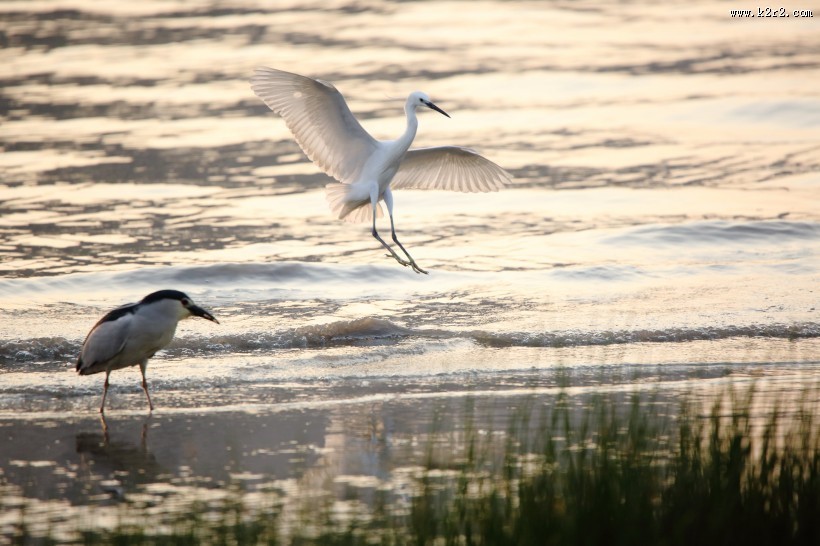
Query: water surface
[[662, 233]]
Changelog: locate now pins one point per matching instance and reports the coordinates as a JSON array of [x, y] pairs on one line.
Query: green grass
[[617, 472], [624, 479]]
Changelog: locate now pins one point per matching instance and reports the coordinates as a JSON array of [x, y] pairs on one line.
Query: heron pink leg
[[105, 391], [143, 365]]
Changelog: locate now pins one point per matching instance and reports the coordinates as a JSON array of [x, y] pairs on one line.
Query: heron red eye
[[186, 303]]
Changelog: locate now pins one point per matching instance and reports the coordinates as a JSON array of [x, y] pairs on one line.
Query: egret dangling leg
[[374, 200], [143, 365], [388, 200], [412, 262]]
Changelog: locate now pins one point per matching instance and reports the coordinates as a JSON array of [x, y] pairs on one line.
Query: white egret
[[131, 334], [366, 168]]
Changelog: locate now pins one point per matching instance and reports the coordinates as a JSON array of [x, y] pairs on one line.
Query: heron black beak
[[198, 311], [436, 108]]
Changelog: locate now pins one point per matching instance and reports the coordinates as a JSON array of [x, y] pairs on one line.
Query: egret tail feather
[[352, 211]]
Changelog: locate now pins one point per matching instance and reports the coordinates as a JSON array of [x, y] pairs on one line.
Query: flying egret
[[131, 334], [325, 129]]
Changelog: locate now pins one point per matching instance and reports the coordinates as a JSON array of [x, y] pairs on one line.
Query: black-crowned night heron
[[131, 334]]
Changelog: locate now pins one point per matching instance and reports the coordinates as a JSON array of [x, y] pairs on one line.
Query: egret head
[[419, 98]]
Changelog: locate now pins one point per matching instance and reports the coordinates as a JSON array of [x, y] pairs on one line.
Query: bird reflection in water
[[116, 466]]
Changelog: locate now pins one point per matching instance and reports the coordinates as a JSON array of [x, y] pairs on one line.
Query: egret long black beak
[[436, 108], [198, 311]]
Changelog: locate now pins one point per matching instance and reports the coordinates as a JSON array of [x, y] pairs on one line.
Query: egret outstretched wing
[[319, 118], [449, 168]]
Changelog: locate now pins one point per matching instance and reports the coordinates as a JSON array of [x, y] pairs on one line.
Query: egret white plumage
[[133, 333], [325, 129]]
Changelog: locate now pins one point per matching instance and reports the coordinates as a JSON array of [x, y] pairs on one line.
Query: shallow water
[[662, 233]]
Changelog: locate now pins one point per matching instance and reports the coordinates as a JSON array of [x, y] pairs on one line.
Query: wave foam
[[378, 331]]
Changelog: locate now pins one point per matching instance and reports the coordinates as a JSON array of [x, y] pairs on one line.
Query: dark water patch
[[66, 28], [86, 464], [721, 232], [19, 109], [224, 166], [728, 59], [200, 166], [21, 354], [801, 330], [546, 176], [271, 280], [664, 174], [140, 246], [351, 8], [54, 79], [601, 273]]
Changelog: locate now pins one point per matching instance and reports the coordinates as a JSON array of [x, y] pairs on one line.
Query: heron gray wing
[[319, 118], [105, 341], [449, 168]]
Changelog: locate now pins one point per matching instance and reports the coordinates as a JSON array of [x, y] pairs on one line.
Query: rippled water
[[662, 230]]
